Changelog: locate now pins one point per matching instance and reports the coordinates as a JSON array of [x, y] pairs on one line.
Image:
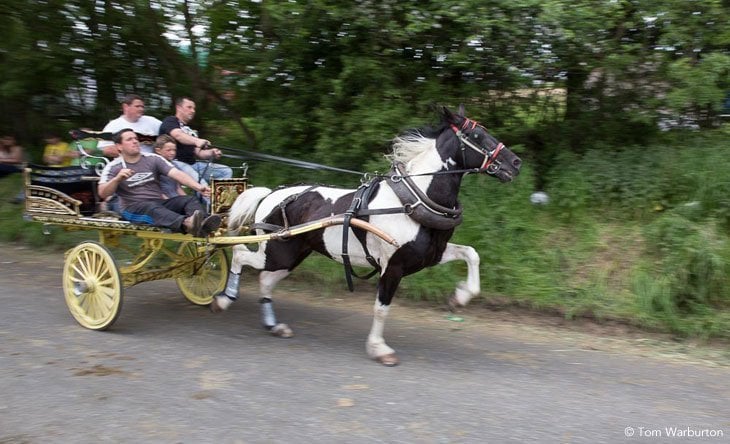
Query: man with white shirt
[[132, 117]]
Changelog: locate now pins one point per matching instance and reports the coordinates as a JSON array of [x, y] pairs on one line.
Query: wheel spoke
[[78, 271], [106, 298], [83, 262], [108, 281], [82, 301], [89, 305], [98, 264]]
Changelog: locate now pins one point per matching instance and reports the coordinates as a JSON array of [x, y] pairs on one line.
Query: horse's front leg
[[465, 290], [376, 347]]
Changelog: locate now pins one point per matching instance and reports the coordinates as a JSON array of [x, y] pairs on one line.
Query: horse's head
[[477, 148]]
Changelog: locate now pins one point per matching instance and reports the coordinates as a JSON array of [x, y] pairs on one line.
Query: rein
[[244, 155]]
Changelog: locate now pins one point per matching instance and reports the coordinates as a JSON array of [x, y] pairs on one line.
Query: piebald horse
[[416, 204]]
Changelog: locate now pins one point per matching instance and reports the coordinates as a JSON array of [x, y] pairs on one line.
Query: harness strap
[[396, 210], [359, 200], [422, 198], [290, 199]]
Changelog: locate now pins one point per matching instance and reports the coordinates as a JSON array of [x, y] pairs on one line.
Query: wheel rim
[[92, 286], [206, 277]]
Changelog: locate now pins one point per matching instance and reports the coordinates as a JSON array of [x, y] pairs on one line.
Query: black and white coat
[[456, 145]]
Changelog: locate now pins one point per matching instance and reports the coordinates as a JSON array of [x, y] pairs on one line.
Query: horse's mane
[[406, 146]]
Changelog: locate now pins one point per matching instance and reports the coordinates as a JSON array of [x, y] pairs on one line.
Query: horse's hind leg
[[241, 256], [465, 290], [279, 266], [267, 282]]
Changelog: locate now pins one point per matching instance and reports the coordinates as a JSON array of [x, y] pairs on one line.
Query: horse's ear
[[446, 114]]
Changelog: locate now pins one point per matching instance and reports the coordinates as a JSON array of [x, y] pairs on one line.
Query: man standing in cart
[[135, 175], [192, 151]]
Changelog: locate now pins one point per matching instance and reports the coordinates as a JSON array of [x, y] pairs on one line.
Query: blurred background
[[616, 107]]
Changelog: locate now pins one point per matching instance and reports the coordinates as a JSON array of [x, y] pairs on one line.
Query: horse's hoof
[[389, 360], [220, 303], [454, 304], [282, 331]]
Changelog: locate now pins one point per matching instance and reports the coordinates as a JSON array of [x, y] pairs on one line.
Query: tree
[[334, 80], [696, 38]]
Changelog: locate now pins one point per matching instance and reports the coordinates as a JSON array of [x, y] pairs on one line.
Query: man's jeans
[[187, 169], [206, 170]]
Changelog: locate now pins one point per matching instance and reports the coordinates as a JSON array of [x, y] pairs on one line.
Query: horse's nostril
[[517, 163]]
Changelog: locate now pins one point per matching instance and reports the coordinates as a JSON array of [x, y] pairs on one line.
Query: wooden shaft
[[304, 228]]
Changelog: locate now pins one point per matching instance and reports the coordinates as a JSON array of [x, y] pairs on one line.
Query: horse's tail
[[244, 208]]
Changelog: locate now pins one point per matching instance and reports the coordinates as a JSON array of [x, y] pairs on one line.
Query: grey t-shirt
[[144, 185], [169, 186]]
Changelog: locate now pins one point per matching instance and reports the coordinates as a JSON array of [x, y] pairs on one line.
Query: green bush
[[692, 260]]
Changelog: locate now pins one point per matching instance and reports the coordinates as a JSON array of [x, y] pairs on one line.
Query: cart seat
[[69, 191]]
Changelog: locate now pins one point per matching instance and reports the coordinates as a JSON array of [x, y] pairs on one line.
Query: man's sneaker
[[209, 225], [192, 223]]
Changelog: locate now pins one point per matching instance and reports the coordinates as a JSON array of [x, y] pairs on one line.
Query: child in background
[[166, 147], [57, 153], [11, 156]]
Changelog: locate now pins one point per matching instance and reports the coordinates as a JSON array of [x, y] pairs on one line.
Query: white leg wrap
[[268, 318], [375, 345], [232, 285]]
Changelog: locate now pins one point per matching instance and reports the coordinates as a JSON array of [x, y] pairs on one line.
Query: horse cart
[[398, 223], [94, 279]]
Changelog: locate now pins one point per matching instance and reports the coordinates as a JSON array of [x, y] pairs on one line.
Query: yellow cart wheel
[[206, 276], [92, 286]]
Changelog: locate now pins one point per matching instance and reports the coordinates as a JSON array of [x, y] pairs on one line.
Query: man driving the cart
[[135, 175]]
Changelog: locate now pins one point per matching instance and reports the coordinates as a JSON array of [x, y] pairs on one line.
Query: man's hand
[[124, 174], [215, 153], [209, 153], [205, 191], [108, 188]]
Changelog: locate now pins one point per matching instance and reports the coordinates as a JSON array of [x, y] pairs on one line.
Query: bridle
[[490, 165]]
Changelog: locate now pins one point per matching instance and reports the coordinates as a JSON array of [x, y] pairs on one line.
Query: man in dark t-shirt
[[192, 154], [134, 176]]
